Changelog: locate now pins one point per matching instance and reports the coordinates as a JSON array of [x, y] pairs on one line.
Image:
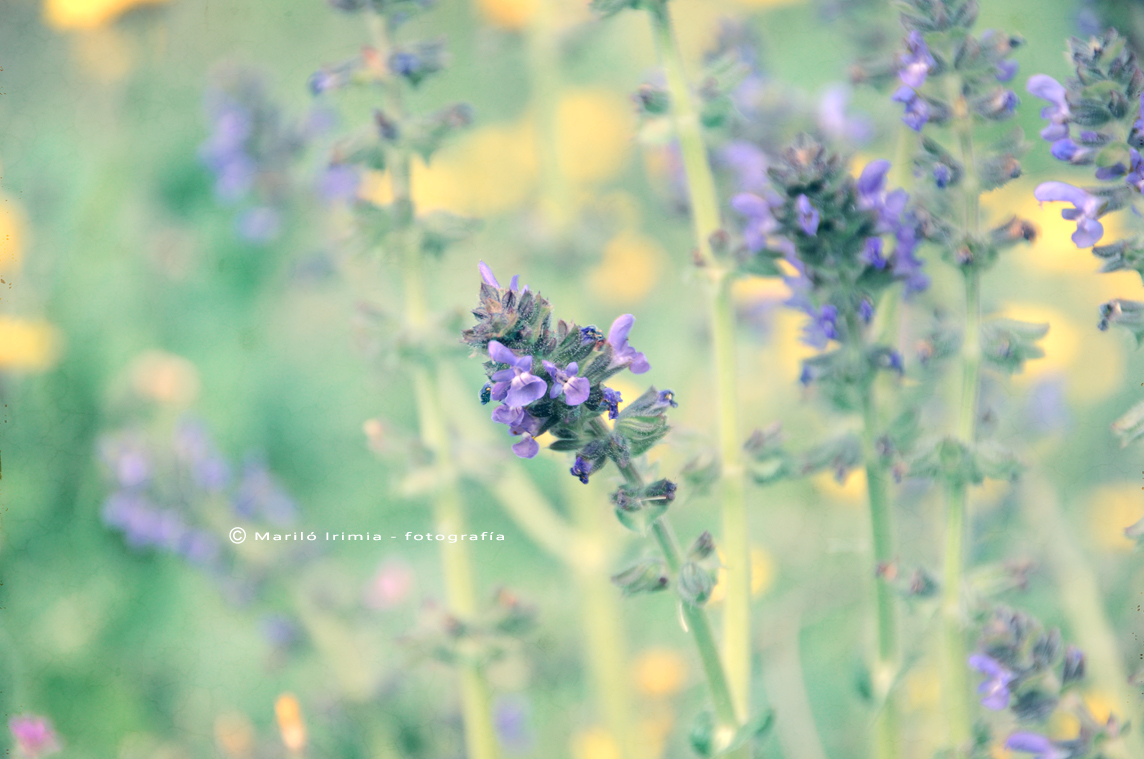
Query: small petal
[[499, 353], [618, 333], [526, 447], [576, 390], [487, 275], [525, 389]]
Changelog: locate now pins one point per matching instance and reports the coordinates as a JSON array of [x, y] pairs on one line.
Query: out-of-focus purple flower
[[260, 495], [259, 225], [622, 353], [195, 449], [760, 219], [1085, 212], [917, 109], [1057, 111], [1135, 178], [612, 399], [995, 689], [390, 586], [834, 120], [338, 182], [198, 547], [822, 327], [1037, 745], [749, 164], [1047, 408], [866, 310], [808, 216], [1006, 70], [872, 253], [126, 457], [510, 716], [565, 381], [279, 630], [871, 182], [517, 385], [34, 735], [941, 175], [916, 63], [143, 525]]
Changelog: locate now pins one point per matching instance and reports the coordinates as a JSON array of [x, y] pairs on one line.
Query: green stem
[[885, 669], [448, 511], [695, 617], [706, 222], [956, 675]]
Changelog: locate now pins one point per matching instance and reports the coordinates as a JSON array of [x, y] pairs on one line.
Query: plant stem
[[448, 512], [956, 675], [706, 222], [885, 667], [695, 617]]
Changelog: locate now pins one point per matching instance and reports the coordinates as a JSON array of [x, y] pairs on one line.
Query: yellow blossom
[[763, 573], [595, 132], [629, 268], [88, 14], [595, 743], [660, 671], [13, 231], [165, 377], [28, 345], [922, 688], [851, 491], [509, 14], [1112, 508], [289, 714]]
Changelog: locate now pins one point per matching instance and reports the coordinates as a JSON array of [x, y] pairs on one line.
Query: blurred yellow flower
[[510, 14], [105, 54], [922, 689], [165, 377], [851, 491], [998, 751], [1094, 367], [234, 735], [13, 231], [596, 130], [87, 14], [762, 575], [485, 172], [629, 268], [1111, 509], [28, 345], [595, 743], [289, 714], [660, 671], [655, 731]]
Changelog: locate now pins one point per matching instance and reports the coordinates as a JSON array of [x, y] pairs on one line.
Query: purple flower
[[489, 279], [835, 121], [995, 689], [565, 381], [34, 735], [1135, 178], [338, 182], [866, 310], [1087, 208], [1057, 111], [917, 109], [526, 447], [808, 216], [1036, 744], [510, 716], [259, 225], [942, 175], [612, 399], [517, 385], [622, 353], [581, 469], [916, 64], [128, 459], [260, 494], [1006, 70], [760, 220], [749, 164], [194, 448], [872, 253], [871, 182]]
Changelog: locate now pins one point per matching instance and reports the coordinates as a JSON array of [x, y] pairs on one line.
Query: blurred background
[[188, 343]]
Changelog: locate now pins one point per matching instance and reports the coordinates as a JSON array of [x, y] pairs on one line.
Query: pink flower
[[34, 735]]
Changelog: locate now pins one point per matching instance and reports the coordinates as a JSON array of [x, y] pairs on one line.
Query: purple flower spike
[[1037, 745], [34, 735], [1087, 208], [526, 448], [808, 216], [995, 689], [517, 385], [487, 275], [917, 109], [565, 381], [622, 353], [917, 64]]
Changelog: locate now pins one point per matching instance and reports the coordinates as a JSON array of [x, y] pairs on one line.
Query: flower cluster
[[1027, 669], [981, 63], [551, 379], [833, 231], [250, 150], [1095, 118]]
